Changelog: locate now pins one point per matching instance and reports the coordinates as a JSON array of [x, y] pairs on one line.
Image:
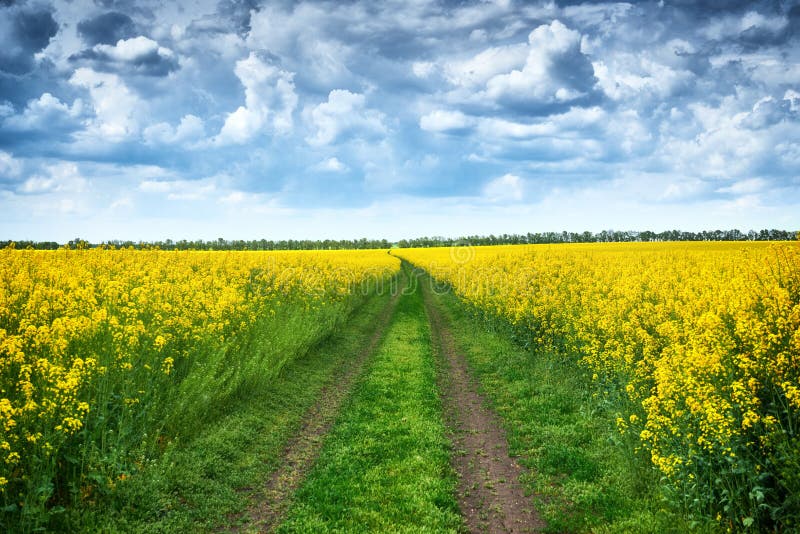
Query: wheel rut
[[273, 500], [490, 495]]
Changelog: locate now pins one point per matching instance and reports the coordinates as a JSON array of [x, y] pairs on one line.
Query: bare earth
[[272, 502], [489, 493]]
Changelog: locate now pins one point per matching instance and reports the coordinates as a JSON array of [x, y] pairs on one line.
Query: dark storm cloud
[[23, 33], [106, 28]]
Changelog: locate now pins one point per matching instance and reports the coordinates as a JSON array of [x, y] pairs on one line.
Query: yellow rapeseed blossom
[[703, 337], [76, 323]]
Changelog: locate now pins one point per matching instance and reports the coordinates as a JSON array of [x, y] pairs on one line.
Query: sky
[[148, 120]]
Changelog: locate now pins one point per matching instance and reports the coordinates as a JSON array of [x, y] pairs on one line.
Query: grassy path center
[[385, 466], [302, 450]]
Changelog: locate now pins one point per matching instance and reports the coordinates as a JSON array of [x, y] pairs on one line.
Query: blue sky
[[244, 119]]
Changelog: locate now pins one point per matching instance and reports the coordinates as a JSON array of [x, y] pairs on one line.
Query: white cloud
[[489, 63], [739, 137], [749, 186], [301, 38], [180, 189], [131, 50], [605, 15], [331, 165], [58, 178], [191, 128], [270, 101], [140, 55], [721, 144], [625, 76], [793, 97], [683, 190], [576, 122], [123, 203], [478, 35], [9, 166], [423, 69], [733, 25], [117, 109], [709, 122], [555, 69], [278, 31], [506, 188], [769, 111], [343, 113], [445, 121], [234, 197], [46, 112]]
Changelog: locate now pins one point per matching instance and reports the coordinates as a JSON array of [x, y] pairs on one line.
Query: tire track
[[490, 495], [302, 450]]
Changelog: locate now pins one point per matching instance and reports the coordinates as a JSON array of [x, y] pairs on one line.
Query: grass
[[197, 485], [581, 472], [385, 465]]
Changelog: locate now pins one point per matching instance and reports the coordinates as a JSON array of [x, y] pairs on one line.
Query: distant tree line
[[218, 244], [606, 236]]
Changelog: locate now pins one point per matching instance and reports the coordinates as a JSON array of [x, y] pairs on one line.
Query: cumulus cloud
[[47, 113], [308, 38], [576, 122], [191, 128], [423, 69], [139, 55], [555, 70], [440, 99], [331, 165], [445, 121], [770, 111], [343, 114], [270, 101], [61, 177], [487, 64], [117, 109], [750, 26], [738, 138], [9, 166], [629, 76]]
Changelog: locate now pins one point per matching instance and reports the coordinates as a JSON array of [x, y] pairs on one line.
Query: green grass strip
[[198, 485], [582, 472], [385, 465]]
